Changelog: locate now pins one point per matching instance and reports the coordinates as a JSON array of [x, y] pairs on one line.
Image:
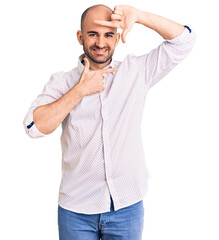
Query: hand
[[91, 82], [123, 17]]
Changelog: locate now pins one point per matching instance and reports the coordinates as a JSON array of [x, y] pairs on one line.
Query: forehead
[[98, 13]]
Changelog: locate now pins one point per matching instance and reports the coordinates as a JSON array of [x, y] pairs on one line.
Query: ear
[[117, 38], [80, 37]]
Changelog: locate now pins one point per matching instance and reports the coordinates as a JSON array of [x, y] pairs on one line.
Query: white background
[[180, 124]]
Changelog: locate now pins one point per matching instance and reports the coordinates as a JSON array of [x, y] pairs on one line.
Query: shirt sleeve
[[51, 92], [166, 56]]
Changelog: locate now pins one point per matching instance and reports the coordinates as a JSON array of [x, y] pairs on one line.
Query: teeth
[[99, 51]]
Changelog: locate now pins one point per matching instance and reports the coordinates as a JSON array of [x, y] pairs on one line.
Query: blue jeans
[[123, 224]]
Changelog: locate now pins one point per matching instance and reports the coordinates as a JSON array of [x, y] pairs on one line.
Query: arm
[[179, 41], [168, 29], [51, 107], [125, 16], [47, 110], [48, 117]]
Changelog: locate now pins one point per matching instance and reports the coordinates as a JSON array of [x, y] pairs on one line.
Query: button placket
[[105, 136]]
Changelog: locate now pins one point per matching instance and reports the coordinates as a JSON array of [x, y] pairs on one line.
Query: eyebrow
[[97, 32]]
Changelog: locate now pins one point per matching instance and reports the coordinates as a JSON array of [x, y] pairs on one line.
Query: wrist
[[136, 13], [78, 90], [141, 16]]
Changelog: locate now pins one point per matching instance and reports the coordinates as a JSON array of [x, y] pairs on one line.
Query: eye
[[92, 34], [109, 35]]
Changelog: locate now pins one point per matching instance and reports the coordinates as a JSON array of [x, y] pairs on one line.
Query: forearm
[[167, 28], [48, 117]]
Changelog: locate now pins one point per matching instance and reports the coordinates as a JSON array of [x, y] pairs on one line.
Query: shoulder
[[63, 75], [128, 59], [132, 61], [64, 80]]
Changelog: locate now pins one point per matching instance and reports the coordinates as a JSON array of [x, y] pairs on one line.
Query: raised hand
[[123, 17], [91, 81]]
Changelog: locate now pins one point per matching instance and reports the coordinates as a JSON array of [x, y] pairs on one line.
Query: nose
[[100, 42]]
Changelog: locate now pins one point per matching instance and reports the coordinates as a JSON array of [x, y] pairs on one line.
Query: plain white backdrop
[[180, 124]]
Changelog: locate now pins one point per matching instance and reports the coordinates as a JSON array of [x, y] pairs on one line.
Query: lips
[[99, 51]]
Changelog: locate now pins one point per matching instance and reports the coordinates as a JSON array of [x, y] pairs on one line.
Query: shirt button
[[105, 116]]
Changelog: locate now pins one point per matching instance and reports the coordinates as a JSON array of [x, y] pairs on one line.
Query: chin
[[99, 60]]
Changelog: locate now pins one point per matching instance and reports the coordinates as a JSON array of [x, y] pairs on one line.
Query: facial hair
[[93, 59]]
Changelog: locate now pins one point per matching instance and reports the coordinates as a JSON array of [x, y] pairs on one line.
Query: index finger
[[108, 70], [107, 23]]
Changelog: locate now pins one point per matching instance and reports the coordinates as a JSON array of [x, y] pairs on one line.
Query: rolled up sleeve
[[166, 56], [51, 92], [30, 127]]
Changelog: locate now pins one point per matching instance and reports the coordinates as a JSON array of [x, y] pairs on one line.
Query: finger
[[107, 23], [117, 7], [118, 12], [124, 34], [108, 70], [86, 64], [116, 17]]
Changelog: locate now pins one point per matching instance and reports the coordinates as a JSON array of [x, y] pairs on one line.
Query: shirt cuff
[[30, 127], [190, 30], [188, 35]]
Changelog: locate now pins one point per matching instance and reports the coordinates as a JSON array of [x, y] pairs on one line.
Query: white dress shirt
[[102, 150]]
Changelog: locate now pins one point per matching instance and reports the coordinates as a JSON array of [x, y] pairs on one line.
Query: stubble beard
[[93, 59]]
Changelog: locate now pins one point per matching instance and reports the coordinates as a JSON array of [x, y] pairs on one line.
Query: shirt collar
[[81, 66]]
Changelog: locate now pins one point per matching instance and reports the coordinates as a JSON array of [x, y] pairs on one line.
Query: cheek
[[113, 44], [89, 43]]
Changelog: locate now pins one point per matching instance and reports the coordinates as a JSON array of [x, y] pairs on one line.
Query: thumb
[[86, 64], [124, 34]]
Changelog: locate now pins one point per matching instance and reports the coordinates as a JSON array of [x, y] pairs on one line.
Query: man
[[100, 105]]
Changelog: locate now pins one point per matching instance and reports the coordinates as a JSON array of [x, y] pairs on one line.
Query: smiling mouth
[[99, 51]]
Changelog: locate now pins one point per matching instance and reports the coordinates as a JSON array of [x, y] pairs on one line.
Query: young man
[[100, 105]]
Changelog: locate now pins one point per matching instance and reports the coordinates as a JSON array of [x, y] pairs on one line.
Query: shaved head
[[95, 9], [98, 41]]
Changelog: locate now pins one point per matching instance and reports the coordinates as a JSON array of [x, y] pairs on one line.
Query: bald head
[[98, 41], [101, 12]]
